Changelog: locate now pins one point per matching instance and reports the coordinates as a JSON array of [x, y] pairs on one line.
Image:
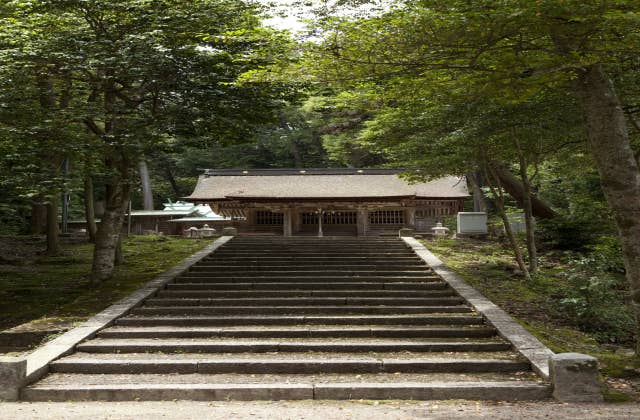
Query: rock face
[[575, 377]]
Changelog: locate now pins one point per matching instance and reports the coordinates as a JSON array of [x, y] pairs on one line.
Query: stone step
[[313, 273], [309, 254], [314, 247], [298, 332], [204, 284], [291, 310], [306, 301], [287, 293], [204, 387], [308, 267], [338, 259], [228, 345], [282, 363], [432, 319], [206, 278]]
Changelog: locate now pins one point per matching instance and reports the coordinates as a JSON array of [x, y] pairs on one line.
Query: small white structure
[[472, 223], [439, 230]]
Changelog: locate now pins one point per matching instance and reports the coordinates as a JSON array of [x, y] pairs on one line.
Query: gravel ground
[[324, 410]]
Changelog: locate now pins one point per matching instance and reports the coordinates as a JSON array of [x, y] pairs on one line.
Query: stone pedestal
[[13, 372], [574, 377], [405, 232], [229, 231]]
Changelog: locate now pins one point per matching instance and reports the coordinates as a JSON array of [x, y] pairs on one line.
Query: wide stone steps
[[229, 345], [301, 318], [192, 320], [203, 284], [313, 268], [242, 278], [346, 294], [467, 333], [297, 310], [284, 362], [306, 301], [224, 387]]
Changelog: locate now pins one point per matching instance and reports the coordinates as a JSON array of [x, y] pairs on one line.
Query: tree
[[511, 51], [145, 72]]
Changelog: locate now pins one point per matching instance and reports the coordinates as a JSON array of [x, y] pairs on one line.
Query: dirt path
[[324, 410]]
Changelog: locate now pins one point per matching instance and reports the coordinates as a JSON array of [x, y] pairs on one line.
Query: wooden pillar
[[297, 222], [410, 217], [362, 221], [286, 225], [320, 214]]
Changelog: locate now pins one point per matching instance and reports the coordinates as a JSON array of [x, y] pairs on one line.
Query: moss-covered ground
[[489, 266], [34, 287]]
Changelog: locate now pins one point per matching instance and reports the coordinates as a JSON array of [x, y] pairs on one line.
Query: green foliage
[[58, 287], [594, 297]]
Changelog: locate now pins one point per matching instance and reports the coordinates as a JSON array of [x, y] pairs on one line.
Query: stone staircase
[[297, 318]]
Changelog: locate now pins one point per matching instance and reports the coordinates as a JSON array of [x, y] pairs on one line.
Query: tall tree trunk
[[89, 208], [172, 180], [496, 190], [145, 181], [515, 189], [109, 230], [53, 238], [295, 152], [608, 140], [528, 210], [119, 258], [38, 218], [479, 199]]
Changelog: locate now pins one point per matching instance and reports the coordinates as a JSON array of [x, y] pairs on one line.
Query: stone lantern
[[440, 231], [192, 232], [206, 231]]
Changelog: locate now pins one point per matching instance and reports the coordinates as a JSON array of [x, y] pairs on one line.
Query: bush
[[594, 298]]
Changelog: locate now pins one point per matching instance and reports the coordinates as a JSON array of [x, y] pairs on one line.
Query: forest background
[[536, 103]]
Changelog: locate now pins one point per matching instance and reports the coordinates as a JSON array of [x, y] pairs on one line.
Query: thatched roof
[[321, 184]]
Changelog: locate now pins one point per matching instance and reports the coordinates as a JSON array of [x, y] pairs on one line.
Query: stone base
[[574, 377], [405, 232], [13, 372], [229, 231]]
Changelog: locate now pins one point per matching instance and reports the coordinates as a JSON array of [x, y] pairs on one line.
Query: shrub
[[594, 299]]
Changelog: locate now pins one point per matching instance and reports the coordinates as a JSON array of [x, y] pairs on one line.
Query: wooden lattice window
[[386, 217], [331, 218], [269, 218], [340, 218]]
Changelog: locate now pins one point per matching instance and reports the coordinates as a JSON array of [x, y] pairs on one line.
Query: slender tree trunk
[[295, 152], [172, 180], [496, 190], [53, 238], [528, 211], [608, 140], [38, 218], [479, 199], [89, 208], [145, 181], [109, 230]]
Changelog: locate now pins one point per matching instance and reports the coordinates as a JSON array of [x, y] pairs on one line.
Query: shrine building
[[331, 202]]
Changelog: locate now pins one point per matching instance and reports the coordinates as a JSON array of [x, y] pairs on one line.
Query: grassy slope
[[490, 268], [35, 287]]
